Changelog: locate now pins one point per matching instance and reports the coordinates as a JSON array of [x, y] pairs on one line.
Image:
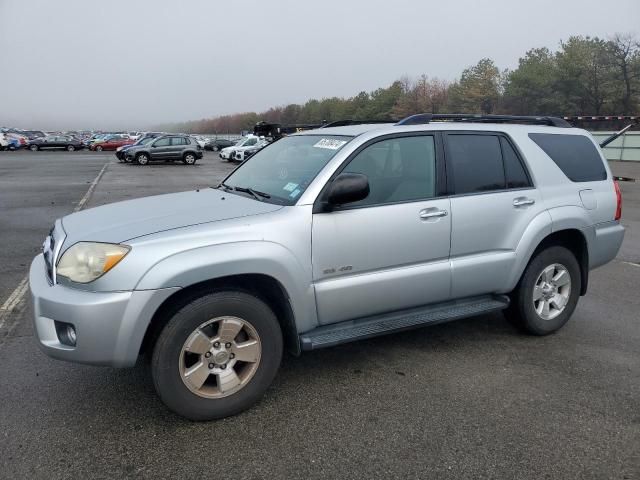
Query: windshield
[[284, 169], [145, 140]]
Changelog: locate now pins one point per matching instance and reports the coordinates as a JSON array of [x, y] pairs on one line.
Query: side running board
[[367, 327]]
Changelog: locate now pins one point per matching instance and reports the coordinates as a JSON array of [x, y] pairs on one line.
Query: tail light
[[618, 200]]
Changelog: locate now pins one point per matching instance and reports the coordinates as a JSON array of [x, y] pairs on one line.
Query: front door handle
[[523, 201], [428, 213]]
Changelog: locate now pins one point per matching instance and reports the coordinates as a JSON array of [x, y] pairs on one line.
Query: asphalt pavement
[[469, 399]]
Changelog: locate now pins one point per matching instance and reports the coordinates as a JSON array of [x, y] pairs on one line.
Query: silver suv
[[325, 237]]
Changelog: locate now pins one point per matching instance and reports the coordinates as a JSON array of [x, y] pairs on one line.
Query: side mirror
[[348, 188]]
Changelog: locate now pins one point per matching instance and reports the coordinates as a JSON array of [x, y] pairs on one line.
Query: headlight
[[86, 261]]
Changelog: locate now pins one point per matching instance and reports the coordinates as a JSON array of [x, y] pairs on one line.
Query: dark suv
[[166, 148]]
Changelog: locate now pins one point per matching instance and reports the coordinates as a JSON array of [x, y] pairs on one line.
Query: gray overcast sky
[[136, 63]]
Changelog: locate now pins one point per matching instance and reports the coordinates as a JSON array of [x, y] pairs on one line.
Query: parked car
[[330, 236], [244, 153], [202, 141], [219, 143], [166, 148], [111, 143], [16, 140], [249, 141], [55, 143], [121, 151], [4, 142]]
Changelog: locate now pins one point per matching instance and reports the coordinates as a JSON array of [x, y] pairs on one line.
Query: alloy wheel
[[220, 357], [551, 291]]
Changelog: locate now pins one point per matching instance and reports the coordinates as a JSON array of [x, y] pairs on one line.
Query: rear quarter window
[[576, 156]]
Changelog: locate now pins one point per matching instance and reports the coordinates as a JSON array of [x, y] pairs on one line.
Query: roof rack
[[344, 123], [423, 118]]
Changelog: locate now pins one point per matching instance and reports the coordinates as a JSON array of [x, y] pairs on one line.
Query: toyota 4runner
[[325, 237]]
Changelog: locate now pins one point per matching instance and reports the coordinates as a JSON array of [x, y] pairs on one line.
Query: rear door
[[178, 145], [493, 201]]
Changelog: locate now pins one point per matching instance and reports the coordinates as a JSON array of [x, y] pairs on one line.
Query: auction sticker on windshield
[[330, 143]]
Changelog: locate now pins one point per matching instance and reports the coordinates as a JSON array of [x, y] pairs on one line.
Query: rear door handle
[[523, 201], [428, 213]]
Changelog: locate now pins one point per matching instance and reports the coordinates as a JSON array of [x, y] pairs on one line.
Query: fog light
[[66, 333], [71, 334]]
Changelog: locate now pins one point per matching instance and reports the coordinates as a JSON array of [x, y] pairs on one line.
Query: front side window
[[399, 170], [284, 169], [476, 163]]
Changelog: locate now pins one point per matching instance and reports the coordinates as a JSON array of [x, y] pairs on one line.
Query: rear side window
[[178, 141], [576, 156], [476, 161], [513, 168]]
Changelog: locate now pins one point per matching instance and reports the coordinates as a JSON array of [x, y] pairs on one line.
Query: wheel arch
[[574, 240], [265, 287]]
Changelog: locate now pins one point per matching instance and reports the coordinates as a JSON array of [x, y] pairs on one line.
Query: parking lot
[[469, 399]]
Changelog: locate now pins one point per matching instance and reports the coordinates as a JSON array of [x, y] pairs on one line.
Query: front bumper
[[110, 326]]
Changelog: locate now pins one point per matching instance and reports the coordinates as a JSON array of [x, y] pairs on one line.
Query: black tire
[[142, 159], [189, 158], [215, 148], [70, 148], [521, 311], [98, 148], [167, 352], [34, 148]]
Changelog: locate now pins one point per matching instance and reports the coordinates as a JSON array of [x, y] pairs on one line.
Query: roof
[[350, 130]]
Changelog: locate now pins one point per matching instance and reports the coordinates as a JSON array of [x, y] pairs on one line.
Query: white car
[[245, 142], [4, 143], [201, 141]]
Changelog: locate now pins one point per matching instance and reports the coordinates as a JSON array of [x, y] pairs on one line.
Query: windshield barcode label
[[330, 143]]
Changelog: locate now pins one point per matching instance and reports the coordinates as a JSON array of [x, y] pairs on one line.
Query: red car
[[111, 144]]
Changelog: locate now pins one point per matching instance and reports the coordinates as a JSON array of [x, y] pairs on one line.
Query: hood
[[122, 221]]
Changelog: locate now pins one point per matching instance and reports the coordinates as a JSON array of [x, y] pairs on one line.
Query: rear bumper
[[110, 326], [605, 243]]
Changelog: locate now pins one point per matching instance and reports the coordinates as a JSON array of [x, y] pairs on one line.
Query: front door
[[160, 148], [389, 251]]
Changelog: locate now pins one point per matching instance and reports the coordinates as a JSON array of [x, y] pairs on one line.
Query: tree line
[[584, 76]]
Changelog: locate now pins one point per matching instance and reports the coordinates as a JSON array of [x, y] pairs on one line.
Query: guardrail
[[626, 148]]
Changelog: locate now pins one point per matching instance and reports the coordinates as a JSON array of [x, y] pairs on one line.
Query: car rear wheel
[[70, 148], [34, 148], [98, 148], [189, 159], [142, 159], [548, 292], [217, 355]]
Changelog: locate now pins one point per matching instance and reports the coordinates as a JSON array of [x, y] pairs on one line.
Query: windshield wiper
[[256, 193]]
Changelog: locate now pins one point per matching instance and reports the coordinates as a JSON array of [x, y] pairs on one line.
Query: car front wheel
[[548, 292], [98, 148], [70, 148], [189, 159], [142, 159], [34, 148], [217, 356]]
